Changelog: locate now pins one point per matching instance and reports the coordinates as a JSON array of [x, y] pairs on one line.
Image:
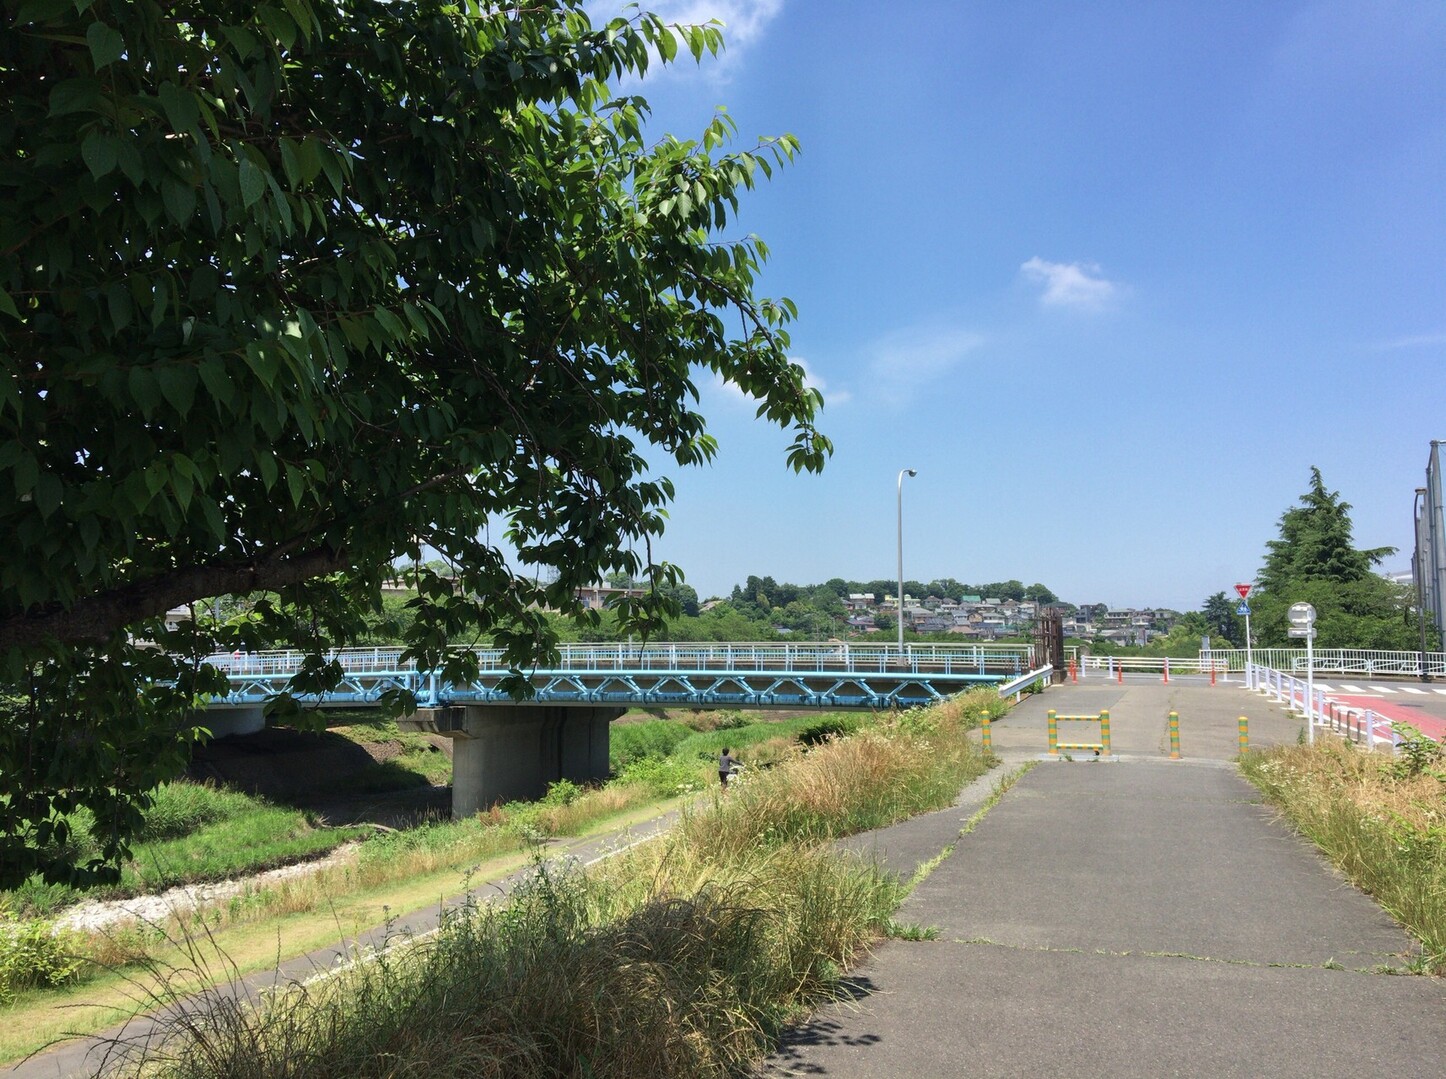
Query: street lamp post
[[902, 473], [1418, 571]]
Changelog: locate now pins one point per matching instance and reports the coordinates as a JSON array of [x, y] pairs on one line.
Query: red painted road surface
[[1389, 712]]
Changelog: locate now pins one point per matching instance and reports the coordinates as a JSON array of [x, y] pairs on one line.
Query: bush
[[1416, 754], [631, 742], [664, 776], [562, 793], [179, 809], [727, 720], [832, 727], [34, 956]]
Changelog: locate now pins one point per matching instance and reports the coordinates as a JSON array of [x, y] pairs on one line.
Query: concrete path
[[1141, 918]]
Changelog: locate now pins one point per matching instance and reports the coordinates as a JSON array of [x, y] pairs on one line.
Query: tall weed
[[1383, 825], [680, 957]]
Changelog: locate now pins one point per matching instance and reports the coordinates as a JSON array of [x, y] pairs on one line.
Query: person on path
[[726, 764]]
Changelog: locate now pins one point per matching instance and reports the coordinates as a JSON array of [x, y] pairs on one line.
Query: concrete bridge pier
[[505, 752], [225, 720]]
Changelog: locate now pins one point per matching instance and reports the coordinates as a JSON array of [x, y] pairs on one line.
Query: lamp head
[[911, 471]]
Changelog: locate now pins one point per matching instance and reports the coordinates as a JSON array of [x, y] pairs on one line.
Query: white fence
[[1111, 666], [1360, 725], [1364, 661]]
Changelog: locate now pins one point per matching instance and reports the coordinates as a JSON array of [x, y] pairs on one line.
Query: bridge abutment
[[507, 752], [223, 721]]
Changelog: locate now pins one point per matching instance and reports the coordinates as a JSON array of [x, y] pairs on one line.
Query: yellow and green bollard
[[1105, 731], [1244, 725], [1053, 733], [984, 734], [1174, 736]]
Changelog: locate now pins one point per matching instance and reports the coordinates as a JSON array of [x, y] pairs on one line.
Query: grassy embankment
[[680, 959], [1381, 820], [199, 833]]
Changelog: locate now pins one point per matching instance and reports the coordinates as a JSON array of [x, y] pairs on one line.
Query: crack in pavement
[[1378, 969]]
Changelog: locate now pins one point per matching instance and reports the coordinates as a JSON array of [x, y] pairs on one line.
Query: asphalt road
[[1142, 918]]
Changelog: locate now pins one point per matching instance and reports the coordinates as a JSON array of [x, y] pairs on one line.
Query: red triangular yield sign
[[1243, 589]]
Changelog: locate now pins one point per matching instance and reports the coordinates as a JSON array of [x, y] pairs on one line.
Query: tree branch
[[97, 617]]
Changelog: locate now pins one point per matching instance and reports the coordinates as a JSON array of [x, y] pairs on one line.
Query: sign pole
[[1310, 687], [1249, 659], [1302, 624], [1244, 608]]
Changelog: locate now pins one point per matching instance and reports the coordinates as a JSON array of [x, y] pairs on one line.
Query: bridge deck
[[794, 675]]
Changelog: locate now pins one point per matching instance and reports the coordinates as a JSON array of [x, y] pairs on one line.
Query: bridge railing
[[1363, 661], [792, 656]]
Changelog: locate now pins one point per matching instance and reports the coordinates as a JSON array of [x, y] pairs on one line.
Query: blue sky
[[1111, 276]]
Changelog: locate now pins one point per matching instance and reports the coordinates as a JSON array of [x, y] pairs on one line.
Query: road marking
[[1413, 689], [1351, 689], [1383, 689], [1324, 687], [1440, 691]]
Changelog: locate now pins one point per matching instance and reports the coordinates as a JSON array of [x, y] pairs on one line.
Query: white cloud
[[1419, 340], [743, 23], [743, 20], [1070, 284], [907, 361], [810, 378]]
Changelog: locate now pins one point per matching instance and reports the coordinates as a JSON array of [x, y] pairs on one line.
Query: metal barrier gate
[[1101, 748]]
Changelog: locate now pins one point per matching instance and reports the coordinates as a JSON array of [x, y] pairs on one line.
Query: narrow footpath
[[1142, 917]]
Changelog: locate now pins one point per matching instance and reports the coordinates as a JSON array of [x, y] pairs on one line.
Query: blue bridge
[[505, 748]]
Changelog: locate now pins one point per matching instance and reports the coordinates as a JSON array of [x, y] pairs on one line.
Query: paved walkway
[[1144, 918]]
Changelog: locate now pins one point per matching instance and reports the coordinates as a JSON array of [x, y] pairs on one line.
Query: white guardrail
[[801, 656], [1112, 665], [1015, 687], [1360, 725], [1363, 661]]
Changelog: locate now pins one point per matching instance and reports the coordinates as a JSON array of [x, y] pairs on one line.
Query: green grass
[[418, 764], [195, 832], [569, 809], [1381, 821], [681, 957]]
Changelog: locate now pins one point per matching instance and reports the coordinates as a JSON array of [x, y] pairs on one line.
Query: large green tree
[[1315, 561], [289, 291], [1220, 621]]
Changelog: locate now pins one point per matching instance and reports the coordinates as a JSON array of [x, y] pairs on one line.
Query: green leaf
[[295, 483], [182, 112], [178, 386], [290, 162], [391, 324], [24, 474], [252, 180], [7, 305], [267, 467], [144, 390], [180, 199], [74, 95], [218, 383], [308, 159], [106, 44], [100, 150]]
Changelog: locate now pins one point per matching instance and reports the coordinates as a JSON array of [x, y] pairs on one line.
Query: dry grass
[[676, 958], [1384, 828]]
